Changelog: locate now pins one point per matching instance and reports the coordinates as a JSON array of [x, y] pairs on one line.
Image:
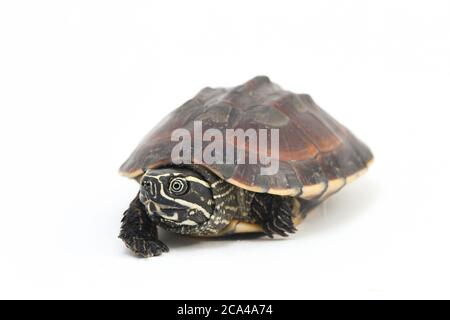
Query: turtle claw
[[288, 227], [146, 248], [267, 230], [279, 227]]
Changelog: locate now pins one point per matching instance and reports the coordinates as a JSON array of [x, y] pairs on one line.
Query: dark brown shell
[[318, 156]]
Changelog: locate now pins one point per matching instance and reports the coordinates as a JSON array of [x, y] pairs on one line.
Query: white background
[[81, 82]]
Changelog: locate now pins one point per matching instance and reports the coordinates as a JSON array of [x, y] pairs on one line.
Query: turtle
[[317, 157]]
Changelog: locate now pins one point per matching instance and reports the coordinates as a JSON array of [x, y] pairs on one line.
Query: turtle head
[[177, 197]]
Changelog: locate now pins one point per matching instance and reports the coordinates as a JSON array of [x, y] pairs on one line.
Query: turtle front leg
[[274, 214], [139, 232]]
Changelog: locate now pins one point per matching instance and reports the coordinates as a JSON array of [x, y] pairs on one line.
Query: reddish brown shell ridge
[[317, 155]]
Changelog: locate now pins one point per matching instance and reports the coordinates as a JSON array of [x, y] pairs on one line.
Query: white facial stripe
[[188, 223], [174, 217], [183, 202], [196, 180]]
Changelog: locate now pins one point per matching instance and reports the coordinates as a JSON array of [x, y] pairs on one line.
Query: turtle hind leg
[[274, 214], [140, 233]]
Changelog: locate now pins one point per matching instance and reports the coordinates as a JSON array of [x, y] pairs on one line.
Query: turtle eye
[[178, 186]]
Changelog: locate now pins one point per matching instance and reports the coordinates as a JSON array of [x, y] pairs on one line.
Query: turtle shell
[[317, 155]]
